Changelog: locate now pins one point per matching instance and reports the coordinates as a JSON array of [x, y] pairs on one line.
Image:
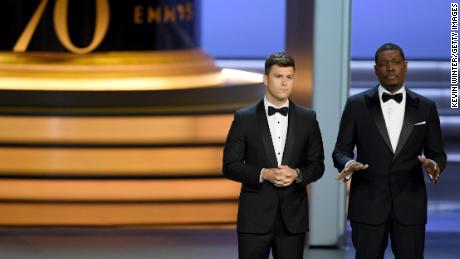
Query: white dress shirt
[[278, 125], [393, 113]]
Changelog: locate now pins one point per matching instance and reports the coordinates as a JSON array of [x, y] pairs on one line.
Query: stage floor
[[117, 243]]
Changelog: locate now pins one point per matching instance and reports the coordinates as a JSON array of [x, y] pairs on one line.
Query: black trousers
[[283, 244], [370, 241]]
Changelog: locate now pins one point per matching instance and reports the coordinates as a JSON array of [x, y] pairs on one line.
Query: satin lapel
[[373, 103], [290, 137], [409, 120], [264, 130]]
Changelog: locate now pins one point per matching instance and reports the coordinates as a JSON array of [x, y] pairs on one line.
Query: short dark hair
[[388, 46], [281, 59]]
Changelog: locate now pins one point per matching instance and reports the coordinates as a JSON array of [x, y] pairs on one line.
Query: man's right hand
[[348, 171]]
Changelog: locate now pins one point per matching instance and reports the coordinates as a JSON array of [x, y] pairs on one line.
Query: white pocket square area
[[420, 123]]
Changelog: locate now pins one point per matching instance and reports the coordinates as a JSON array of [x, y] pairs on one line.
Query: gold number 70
[[60, 21]]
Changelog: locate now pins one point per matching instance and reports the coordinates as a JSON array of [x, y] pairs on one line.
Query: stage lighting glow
[[112, 84], [220, 78], [234, 76]]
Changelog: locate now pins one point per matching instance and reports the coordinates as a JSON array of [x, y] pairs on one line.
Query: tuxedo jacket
[[249, 148], [393, 179]]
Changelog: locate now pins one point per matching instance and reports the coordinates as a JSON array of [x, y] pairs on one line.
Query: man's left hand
[[431, 168]]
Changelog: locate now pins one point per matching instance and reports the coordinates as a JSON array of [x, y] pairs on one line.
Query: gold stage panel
[[115, 130], [118, 190], [106, 162], [117, 214]]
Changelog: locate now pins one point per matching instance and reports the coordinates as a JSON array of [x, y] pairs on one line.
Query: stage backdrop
[[111, 114]]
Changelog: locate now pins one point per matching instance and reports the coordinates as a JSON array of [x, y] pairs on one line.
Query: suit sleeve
[[234, 166], [313, 167], [434, 146], [345, 144]]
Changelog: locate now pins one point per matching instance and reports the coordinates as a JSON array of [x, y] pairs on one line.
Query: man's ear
[[265, 80]]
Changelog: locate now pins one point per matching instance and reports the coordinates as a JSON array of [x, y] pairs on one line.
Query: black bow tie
[[272, 110], [397, 97]]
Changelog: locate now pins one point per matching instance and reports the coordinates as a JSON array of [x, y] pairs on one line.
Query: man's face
[[278, 83], [391, 69]]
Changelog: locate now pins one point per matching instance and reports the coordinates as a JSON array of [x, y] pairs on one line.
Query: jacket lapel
[[262, 124], [290, 137], [373, 103], [409, 120]]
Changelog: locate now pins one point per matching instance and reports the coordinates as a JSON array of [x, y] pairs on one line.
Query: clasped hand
[[282, 176]]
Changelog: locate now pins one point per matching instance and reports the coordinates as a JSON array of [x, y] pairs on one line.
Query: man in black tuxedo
[[390, 126], [274, 149]]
